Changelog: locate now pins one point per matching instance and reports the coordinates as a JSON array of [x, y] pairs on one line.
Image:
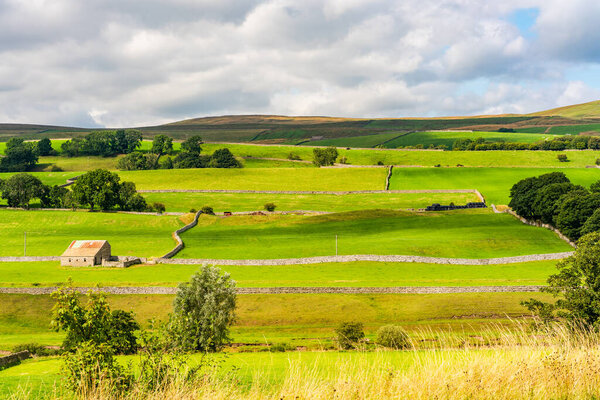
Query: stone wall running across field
[[176, 236], [29, 259], [13, 359], [296, 290], [541, 225], [370, 257]]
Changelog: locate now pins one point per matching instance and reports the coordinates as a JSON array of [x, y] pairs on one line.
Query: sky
[[125, 63]]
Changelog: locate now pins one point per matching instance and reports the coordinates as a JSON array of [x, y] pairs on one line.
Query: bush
[[280, 347], [392, 336], [293, 156], [597, 161], [55, 168], [35, 349], [349, 334], [207, 210], [562, 157], [324, 157], [270, 207], [343, 160], [158, 207], [193, 210], [437, 165]]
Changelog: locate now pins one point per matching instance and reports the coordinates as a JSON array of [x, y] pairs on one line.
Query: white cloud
[[125, 63]]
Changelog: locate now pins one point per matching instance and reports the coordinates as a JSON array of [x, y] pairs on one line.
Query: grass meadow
[[448, 138], [49, 178], [457, 234], [316, 202], [493, 183], [300, 179], [350, 274], [49, 233]]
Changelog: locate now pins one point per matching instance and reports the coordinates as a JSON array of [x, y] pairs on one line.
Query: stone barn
[[86, 253]]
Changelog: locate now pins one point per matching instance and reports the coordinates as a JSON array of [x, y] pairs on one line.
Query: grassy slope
[[354, 274], [448, 138], [297, 318], [49, 178], [50, 232], [493, 183], [469, 234], [260, 179], [355, 141], [288, 202], [584, 110]]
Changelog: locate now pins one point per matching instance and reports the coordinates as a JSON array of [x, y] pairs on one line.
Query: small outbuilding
[[86, 253]]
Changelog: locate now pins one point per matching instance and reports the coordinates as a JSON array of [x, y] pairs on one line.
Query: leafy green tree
[[324, 157], [592, 224], [574, 210], [192, 144], [166, 163], [190, 160], [223, 158], [138, 161], [392, 336], [97, 187], [54, 197], [162, 144], [18, 156], [270, 207], [203, 310], [127, 141], [44, 147], [158, 207], [130, 199], [523, 193], [576, 287], [595, 187], [20, 189], [546, 200]]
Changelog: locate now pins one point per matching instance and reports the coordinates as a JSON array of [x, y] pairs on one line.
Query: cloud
[[126, 63]]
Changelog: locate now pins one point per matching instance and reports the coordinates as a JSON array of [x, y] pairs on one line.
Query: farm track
[[292, 290]]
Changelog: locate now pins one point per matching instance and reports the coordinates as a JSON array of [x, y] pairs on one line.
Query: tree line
[[99, 188], [552, 199], [555, 144]]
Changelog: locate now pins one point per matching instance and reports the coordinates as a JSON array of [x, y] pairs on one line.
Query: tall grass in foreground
[[551, 365]]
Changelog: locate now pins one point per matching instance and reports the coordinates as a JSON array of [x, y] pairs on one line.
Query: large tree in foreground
[[576, 286], [19, 189], [97, 188], [203, 309]]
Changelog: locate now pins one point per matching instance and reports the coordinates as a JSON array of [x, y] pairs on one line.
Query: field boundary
[[180, 245], [370, 257], [291, 290], [339, 193]]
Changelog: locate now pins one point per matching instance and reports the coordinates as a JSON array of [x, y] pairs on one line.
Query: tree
[[203, 309], [562, 157], [98, 187], [324, 157], [577, 287], [138, 161], [574, 210], [223, 158], [44, 147], [349, 334], [270, 207], [190, 160], [130, 199], [523, 193], [392, 336], [192, 144], [592, 224], [162, 144], [19, 189], [127, 140], [18, 157], [595, 187], [54, 197], [547, 198]]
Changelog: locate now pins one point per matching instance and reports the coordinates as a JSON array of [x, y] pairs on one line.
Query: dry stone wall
[[13, 359], [29, 259], [370, 257], [176, 236]]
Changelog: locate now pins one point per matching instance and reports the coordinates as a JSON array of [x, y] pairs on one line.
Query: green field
[[49, 233], [49, 178], [325, 179], [351, 274], [355, 141], [493, 183], [574, 129], [220, 202], [448, 138], [458, 234]]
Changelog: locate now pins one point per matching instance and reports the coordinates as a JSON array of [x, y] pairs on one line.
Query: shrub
[[280, 347], [193, 210], [437, 165], [562, 157], [35, 349], [293, 156], [343, 160], [597, 161], [380, 162], [207, 210], [55, 168], [270, 207], [324, 157], [349, 334], [392, 336], [158, 207]]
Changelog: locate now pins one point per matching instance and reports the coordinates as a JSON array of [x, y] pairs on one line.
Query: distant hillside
[[576, 111], [573, 119]]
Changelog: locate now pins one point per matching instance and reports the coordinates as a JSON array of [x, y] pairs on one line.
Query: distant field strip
[[293, 290], [348, 192], [374, 258]]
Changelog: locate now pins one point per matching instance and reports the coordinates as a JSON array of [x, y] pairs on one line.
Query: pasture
[[349, 274], [448, 138], [220, 202], [299, 179], [493, 183], [455, 234], [49, 233]]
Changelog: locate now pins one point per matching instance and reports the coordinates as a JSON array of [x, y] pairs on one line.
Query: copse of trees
[[162, 144], [19, 156], [556, 144], [137, 161], [553, 199], [102, 188], [104, 143], [324, 157]]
